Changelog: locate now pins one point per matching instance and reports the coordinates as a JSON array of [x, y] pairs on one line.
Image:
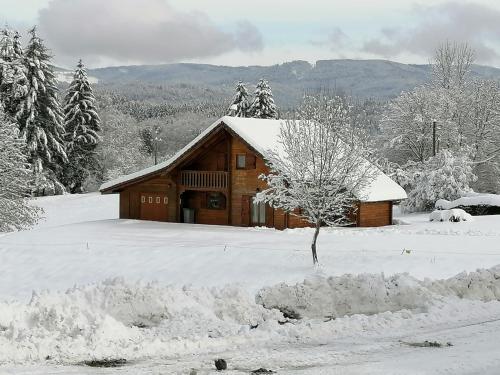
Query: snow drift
[[454, 215], [346, 295], [115, 319], [129, 320], [371, 294]]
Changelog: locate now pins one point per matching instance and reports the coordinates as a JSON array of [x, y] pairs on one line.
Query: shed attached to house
[[214, 178]]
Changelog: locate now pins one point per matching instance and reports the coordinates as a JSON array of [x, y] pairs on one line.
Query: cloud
[[335, 38], [146, 31], [468, 22]]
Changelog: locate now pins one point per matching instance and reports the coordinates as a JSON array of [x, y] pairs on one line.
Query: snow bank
[[115, 319], [118, 319], [483, 285], [454, 215], [335, 297], [346, 295], [470, 199]]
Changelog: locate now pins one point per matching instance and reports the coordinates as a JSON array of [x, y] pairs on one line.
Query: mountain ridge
[[376, 78]]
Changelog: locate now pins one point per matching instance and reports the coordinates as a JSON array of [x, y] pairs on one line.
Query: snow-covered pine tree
[[263, 103], [40, 119], [18, 48], [240, 105], [447, 176], [15, 179], [82, 124], [13, 81]]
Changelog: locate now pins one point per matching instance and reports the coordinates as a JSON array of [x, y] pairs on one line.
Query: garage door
[[154, 206]]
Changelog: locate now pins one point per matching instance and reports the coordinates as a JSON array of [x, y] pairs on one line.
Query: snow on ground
[[81, 242], [117, 288]]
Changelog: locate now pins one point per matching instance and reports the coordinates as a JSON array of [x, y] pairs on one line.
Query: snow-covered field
[[171, 297]]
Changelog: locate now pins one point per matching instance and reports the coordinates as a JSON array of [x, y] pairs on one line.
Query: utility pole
[[434, 138], [156, 140]]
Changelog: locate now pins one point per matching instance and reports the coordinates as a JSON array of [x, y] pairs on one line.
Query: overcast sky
[[248, 32]]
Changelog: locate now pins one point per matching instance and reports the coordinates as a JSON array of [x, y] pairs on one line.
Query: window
[[158, 200], [245, 161], [150, 199], [143, 199], [241, 161], [216, 201], [258, 213], [165, 200]]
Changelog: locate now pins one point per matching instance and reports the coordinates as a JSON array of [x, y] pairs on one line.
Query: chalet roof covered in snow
[[262, 135]]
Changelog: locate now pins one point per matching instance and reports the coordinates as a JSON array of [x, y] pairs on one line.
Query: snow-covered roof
[[262, 135], [470, 199]]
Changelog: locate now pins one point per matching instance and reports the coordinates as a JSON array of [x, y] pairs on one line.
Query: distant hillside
[[379, 79]]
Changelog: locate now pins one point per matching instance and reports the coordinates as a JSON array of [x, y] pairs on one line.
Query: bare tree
[[407, 125], [466, 111], [451, 64], [319, 169]]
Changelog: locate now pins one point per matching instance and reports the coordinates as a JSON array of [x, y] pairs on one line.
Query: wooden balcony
[[215, 180]]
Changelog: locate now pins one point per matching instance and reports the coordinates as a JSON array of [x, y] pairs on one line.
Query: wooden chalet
[[214, 178]]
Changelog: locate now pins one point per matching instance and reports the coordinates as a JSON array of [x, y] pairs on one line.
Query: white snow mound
[[115, 319], [339, 296], [470, 199], [346, 295], [454, 215], [126, 320]]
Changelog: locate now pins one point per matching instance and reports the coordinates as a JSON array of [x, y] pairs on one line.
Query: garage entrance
[[154, 206]]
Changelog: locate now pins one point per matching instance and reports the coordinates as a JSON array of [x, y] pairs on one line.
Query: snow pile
[[117, 319], [346, 295], [114, 319], [454, 215], [471, 199], [368, 294], [483, 285]]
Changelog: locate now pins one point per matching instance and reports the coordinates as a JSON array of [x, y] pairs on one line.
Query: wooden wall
[[243, 181], [374, 214], [130, 197], [198, 201], [212, 157]]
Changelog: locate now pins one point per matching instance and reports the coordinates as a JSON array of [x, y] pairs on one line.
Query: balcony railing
[[204, 179]]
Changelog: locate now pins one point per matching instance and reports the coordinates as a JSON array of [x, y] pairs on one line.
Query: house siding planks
[[374, 214], [130, 197], [244, 181]]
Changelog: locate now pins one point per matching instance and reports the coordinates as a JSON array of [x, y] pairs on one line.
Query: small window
[[241, 161], [158, 200], [165, 200], [150, 199], [143, 199], [216, 201]]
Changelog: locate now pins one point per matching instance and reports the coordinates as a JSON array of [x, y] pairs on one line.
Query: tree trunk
[[313, 245]]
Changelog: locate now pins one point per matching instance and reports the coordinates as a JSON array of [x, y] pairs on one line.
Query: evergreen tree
[[40, 119], [263, 104], [82, 124], [13, 81], [15, 178], [16, 45], [240, 105]]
